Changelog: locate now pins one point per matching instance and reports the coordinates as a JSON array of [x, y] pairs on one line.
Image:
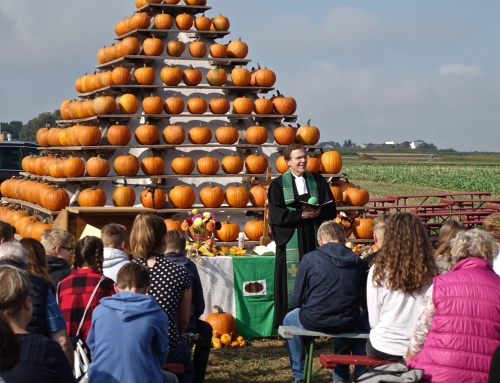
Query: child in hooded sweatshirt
[[113, 239], [128, 339]]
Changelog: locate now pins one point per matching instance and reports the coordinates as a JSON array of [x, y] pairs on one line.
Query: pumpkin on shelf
[[198, 49], [243, 105], [263, 106], [171, 75], [207, 165], [182, 196], [202, 23], [153, 198], [200, 135], [128, 103], [240, 76], [313, 164], [192, 76], [124, 196], [221, 322], [153, 46], [258, 196], [73, 167], [219, 105], [152, 104], [163, 21], [53, 137], [237, 49], [362, 228], [307, 134], [284, 105], [254, 229], [98, 166], [226, 135], [126, 165], [337, 194], [332, 162], [232, 164], [256, 135], [174, 224], [55, 199], [175, 48], [184, 21], [147, 134], [256, 163], [121, 76], [237, 196], [216, 76], [218, 51], [92, 197], [174, 105], [182, 165], [356, 197], [89, 135], [228, 231], [264, 77], [281, 165], [152, 165], [64, 109], [211, 196], [119, 135], [197, 105], [284, 135], [140, 20], [130, 46], [220, 23], [174, 134], [145, 75], [42, 136]]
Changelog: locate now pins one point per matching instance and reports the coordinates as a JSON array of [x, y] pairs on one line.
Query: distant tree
[[345, 145], [349, 143], [334, 144], [425, 145], [405, 144], [13, 127], [28, 131]]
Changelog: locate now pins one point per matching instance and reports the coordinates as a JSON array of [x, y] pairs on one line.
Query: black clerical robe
[[283, 222]]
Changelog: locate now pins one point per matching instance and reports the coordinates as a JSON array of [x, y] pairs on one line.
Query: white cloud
[[459, 69]]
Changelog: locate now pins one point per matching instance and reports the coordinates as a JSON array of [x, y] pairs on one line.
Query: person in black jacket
[[59, 245], [327, 298]]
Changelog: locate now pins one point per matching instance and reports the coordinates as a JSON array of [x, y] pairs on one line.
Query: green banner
[[254, 293]]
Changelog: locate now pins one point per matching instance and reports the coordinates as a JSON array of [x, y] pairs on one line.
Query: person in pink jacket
[[458, 328]]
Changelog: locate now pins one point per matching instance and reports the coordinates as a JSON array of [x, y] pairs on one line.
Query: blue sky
[[371, 71]]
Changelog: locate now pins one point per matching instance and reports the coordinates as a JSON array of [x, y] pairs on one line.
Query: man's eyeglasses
[[70, 249]]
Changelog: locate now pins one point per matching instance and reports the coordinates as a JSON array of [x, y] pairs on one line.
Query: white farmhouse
[[416, 144]]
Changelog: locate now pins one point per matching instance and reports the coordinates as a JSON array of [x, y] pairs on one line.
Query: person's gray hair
[[473, 243], [15, 251]]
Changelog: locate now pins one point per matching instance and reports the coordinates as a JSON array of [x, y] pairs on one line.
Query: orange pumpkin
[[256, 163], [128, 103], [153, 46], [227, 135], [243, 105], [98, 166], [356, 196], [332, 162], [216, 77], [254, 229], [218, 51], [171, 75], [121, 76], [220, 23], [362, 228], [119, 135], [211, 196], [240, 76], [258, 196], [152, 165], [184, 21], [174, 224], [312, 164], [219, 105], [232, 164], [256, 135], [228, 231], [221, 322], [175, 48], [284, 105], [237, 49], [284, 135], [124, 196], [163, 21], [207, 165], [281, 165], [182, 196], [307, 134], [153, 198], [92, 197], [263, 106], [174, 105], [145, 75], [147, 134], [126, 165], [192, 76], [337, 194], [174, 134], [237, 196], [73, 167], [197, 105], [200, 135], [198, 49], [182, 165], [202, 23], [152, 104]]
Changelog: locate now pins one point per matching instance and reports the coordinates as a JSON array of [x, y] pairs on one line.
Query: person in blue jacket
[[128, 339]]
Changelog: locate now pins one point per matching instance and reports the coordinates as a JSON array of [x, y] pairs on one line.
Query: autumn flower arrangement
[[346, 222], [199, 225]]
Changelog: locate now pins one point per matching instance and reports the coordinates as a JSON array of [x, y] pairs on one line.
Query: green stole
[[292, 246]]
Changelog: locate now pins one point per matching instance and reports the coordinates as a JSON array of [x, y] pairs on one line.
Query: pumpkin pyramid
[[174, 113]]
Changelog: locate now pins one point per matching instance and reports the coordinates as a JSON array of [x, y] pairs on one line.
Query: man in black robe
[[294, 224]]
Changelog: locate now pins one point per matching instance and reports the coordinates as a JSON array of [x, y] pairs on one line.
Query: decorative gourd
[[192, 76], [307, 134], [98, 166], [254, 229], [198, 49], [221, 322], [152, 165], [312, 164], [152, 104], [174, 134], [232, 164], [228, 231], [171, 75], [182, 196], [121, 76], [119, 135], [124, 196], [153, 198], [258, 196], [174, 105], [126, 165], [202, 23], [128, 103], [175, 48], [55, 199], [356, 197], [219, 105], [226, 135], [237, 49], [200, 135], [218, 51], [145, 75], [337, 194], [220, 23], [332, 162], [197, 105], [281, 165], [240, 76], [256, 135], [92, 197], [216, 77], [73, 167], [182, 165], [207, 165], [256, 163], [163, 21], [243, 105], [89, 136], [147, 134], [284, 135], [263, 106], [362, 228], [184, 21], [237, 196], [211, 196]]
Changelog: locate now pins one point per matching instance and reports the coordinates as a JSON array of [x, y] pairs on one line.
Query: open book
[[313, 205], [263, 250]]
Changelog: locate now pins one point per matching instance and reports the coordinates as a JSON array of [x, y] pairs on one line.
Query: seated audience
[[113, 239], [7, 232], [74, 291], [148, 240], [447, 232], [58, 245], [42, 360], [397, 283], [47, 319], [133, 323], [491, 225], [175, 253], [10, 348], [37, 261], [327, 298], [458, 328]]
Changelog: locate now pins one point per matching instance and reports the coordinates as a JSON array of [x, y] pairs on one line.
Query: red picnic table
[[472, 204], [425, 197], [445, 216], [381, 201], [492, 207]]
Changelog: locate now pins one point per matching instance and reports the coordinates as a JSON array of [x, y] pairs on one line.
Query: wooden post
[[265, 239]]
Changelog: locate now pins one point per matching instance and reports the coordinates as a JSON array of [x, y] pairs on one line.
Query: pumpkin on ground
[[221, 322]]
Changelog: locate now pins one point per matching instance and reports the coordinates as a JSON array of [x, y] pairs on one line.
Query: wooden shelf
[[29, 205], [218, 209], [173, 9], [118, 89], [193, 33], [106, 210], [125, 117], [133, 59], [353, 208], [106, 148]]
